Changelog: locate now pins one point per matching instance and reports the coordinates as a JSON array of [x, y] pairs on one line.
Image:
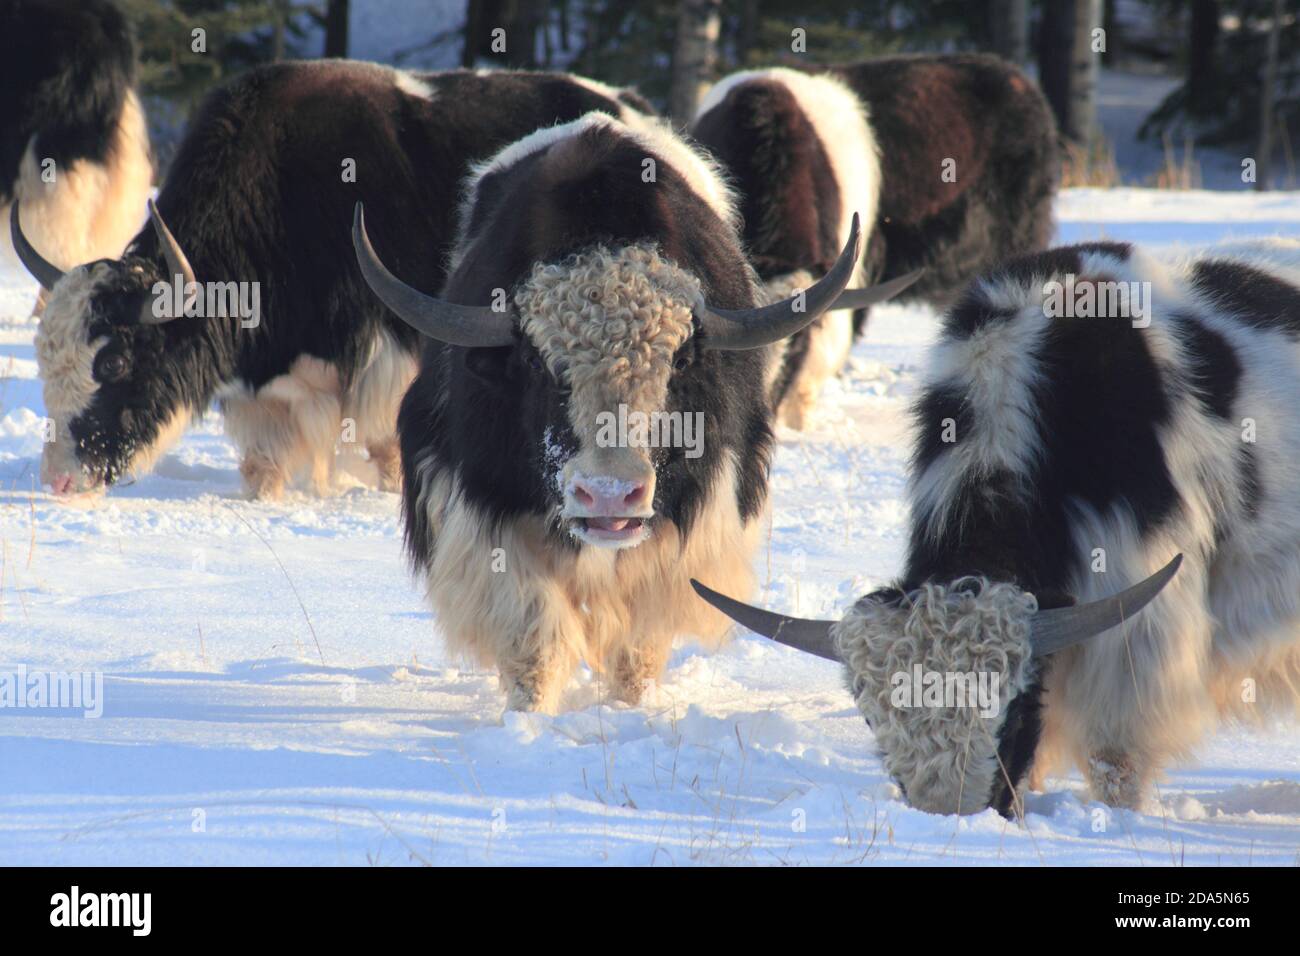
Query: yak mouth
[[609, 531]]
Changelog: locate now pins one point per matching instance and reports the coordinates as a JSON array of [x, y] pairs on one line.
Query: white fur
[[287, 430], [1127, 702], [506, 596], [90, 211], [842, 126], [699, 170], [412, 85]]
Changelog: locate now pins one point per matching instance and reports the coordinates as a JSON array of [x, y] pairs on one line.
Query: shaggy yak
[[589, 426], [950, 159], [1090, 414], [252, 296]]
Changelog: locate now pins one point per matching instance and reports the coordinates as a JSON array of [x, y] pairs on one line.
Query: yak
[[1093, 418], [244, 289], [951, 160], [589, 426]]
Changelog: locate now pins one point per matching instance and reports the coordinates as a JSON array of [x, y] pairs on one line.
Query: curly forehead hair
[[612, 318], [945, 757]]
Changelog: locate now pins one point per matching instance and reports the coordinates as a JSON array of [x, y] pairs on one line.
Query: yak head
[[943, 675], [115, 386], [606, 351]]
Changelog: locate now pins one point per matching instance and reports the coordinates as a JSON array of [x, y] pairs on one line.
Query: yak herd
[[563, 330]]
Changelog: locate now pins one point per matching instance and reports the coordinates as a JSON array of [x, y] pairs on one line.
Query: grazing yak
[[951, 160], [277, 324], [73, 144], [1090, 413], [589, 426]]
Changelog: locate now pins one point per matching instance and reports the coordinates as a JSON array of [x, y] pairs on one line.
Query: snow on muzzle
[[608, 497]]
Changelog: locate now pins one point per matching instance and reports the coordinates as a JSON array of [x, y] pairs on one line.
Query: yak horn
[[177, 264], [1050, 631], [753, 328], [1063, 627], [468, 326], [178, 270], [813, 637], [874, 295], [43, 271]]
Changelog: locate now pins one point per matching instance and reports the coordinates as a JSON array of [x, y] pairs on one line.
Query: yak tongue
[[609, 524]]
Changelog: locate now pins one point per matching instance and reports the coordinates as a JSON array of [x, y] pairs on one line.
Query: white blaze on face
[[65, 356], [944, 757], [608, 323]]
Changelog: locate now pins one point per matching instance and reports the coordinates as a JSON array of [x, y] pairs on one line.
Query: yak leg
[[830, 339], [634, 669], [387, 459], [372, 403], [533, 678], [287, 428]]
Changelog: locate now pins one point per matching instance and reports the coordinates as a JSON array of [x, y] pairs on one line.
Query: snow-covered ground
[[275, 691]]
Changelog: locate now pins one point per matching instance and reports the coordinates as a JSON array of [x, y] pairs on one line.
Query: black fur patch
[[65, 68], [973, 311], [1249, 482], [1017, 742], [1213, 364], [1254, 297], [498, 435], [790, 200], [987, 116]]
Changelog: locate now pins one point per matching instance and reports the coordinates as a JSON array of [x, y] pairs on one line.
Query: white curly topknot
[[608, 323], [944, 757]]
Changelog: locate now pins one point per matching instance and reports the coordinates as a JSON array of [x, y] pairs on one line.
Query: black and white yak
[[259, 200], [589, 426], [74, 149], [951, 160], [1090, 414]]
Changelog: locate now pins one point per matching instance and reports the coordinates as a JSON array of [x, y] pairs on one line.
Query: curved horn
[[875, 294], [754, 328], [177, 264], [1063, 627], [41, 269], [469, 326], [812, 637]]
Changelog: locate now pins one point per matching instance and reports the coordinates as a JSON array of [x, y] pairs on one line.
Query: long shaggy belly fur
[[506, 596]]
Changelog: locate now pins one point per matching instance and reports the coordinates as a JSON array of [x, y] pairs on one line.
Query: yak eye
[[112, 368]]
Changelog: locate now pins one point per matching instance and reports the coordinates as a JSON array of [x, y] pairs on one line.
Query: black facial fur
[[496, 437]]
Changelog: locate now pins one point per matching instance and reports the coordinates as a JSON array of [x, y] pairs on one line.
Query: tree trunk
[[336, 28], [1010, 24], [1264, 155], [1202, 44], [747, 35], [277, 29], [1067, 65], [695, 52], [519, 19]]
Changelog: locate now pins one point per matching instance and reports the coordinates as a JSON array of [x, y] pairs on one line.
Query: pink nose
[[61, 484], [607, 496]]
